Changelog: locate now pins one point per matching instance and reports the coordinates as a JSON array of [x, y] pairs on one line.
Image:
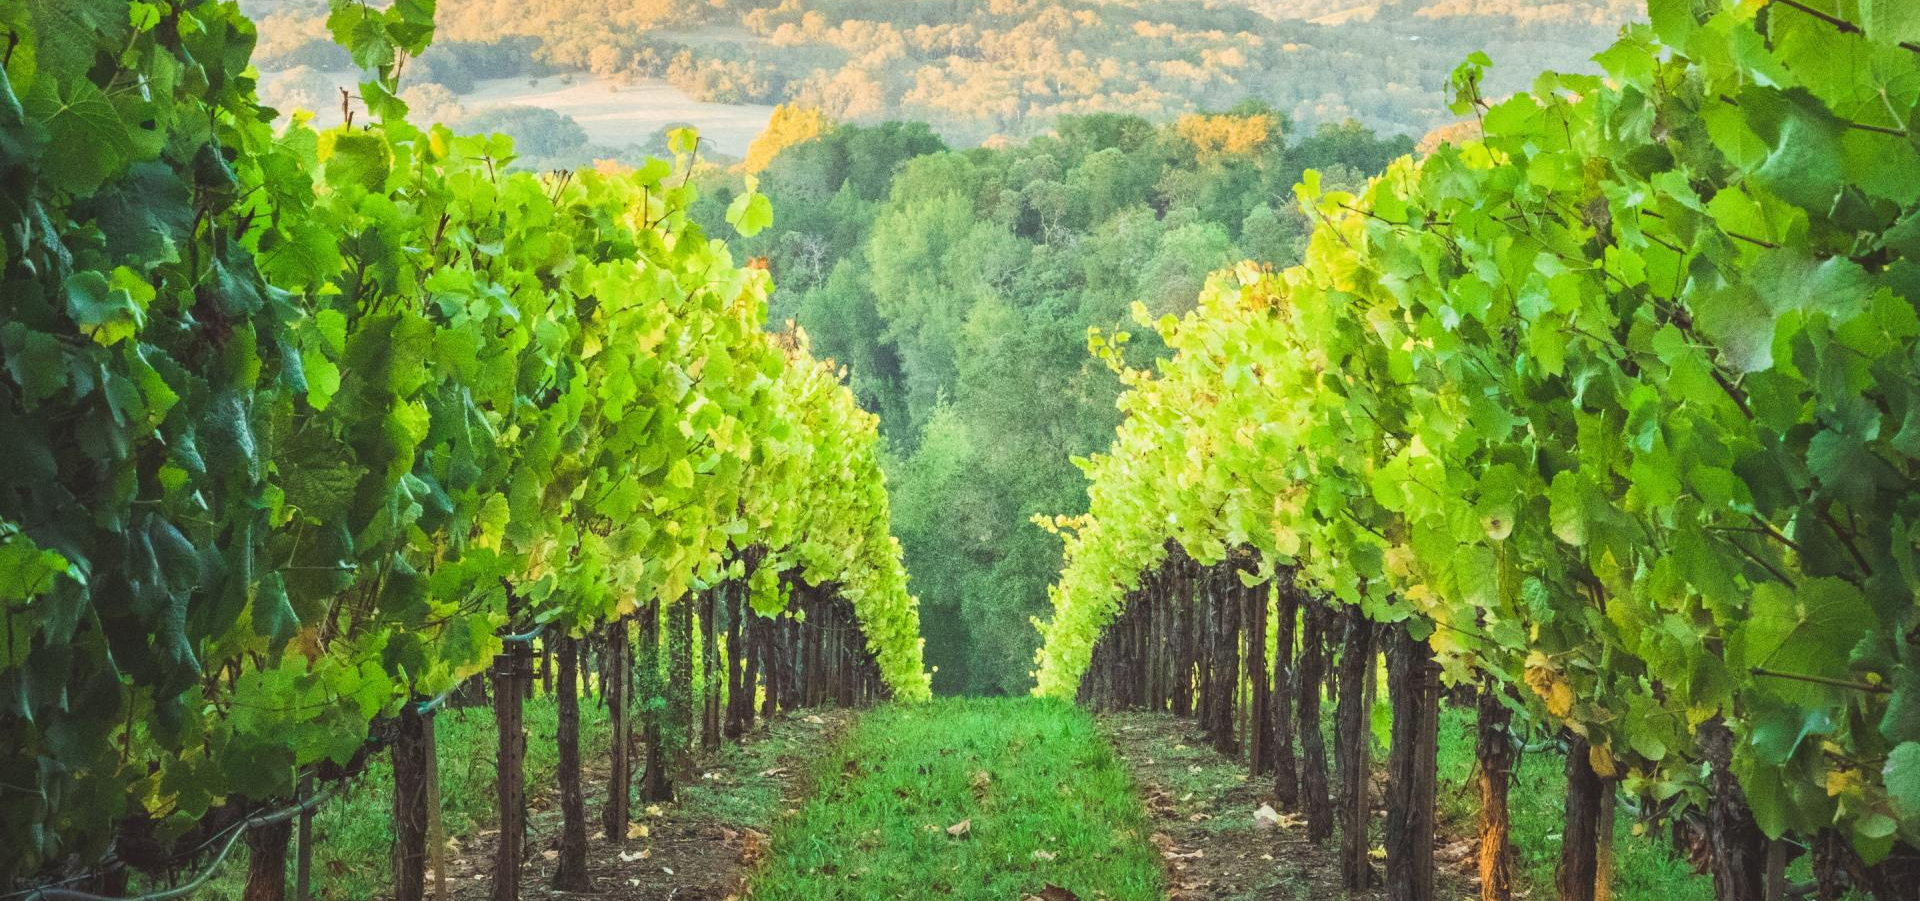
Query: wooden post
[[303, 859], [1739, 847], [1354, 744], [736, 723], [1155, 658], [584, 661], [1286, 770], [855, 654], [1207, 632], [710, 666], [1181, 600], [810, 652], [680, 682], [436, 826], [1493, 747], [1603, 842], [1412, 766], [111, 883], [570, 872], [546, 667], [1259, 712], [410, 806], [614, 687], [792, 651], [1139, 639], [1777, 870], [1574, 878], [842, 653], [1225, 681], [511, 668], [750, 628], [1313, 748], [769, 658], [267, 862], [657, 785]]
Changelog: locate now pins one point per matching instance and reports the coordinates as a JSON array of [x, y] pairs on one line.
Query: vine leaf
[[1902, 774]]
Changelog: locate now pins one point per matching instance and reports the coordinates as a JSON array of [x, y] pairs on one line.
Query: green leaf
[[750, 213], [1740, 324], [359, 160], [1805, 632], [104, 313], [1673, 21], [680, 475], [145, 215], [1901, 723], [35, 361], [1767, 795], [1779, 730], [1567, 507], [1804, 166], [332, 325], [683, 141], [306, 255], [26, 571], [226, 437], [71, 33], [1902, 775], [1844, 467], [1891, 21], [1791, 279], [91, 140], [273, 614]]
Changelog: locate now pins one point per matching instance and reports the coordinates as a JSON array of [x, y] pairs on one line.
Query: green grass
[[729, 787], [1054, 806], [353, 831]]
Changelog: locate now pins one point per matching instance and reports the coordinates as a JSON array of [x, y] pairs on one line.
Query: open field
[[614, 113]]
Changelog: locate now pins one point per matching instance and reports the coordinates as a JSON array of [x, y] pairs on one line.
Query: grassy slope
[[877, 826]]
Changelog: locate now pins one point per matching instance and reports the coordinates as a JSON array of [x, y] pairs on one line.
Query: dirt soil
[[1203, 809], [703, 847]]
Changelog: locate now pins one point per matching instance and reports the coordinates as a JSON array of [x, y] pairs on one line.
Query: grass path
[[971, 800]]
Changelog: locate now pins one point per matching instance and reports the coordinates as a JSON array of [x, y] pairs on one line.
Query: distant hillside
[[1609, 13], [977, 69]]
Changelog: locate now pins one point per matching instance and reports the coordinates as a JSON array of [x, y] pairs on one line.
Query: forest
[[958, 286], [1071, 451], [978, 70]]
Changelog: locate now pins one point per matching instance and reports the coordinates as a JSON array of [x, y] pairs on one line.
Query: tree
[[790, 125], [1105, 182], [538, 134]]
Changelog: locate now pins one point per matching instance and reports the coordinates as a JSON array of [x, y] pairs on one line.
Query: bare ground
[[1202, 806], [703, 847]]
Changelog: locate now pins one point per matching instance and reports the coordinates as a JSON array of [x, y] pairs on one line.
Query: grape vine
[[1616, 404], [289, 415]]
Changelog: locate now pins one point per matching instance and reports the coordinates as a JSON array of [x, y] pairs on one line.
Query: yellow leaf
[[1548, 684], [1843, 782], [1560, 703], [1600, 758]]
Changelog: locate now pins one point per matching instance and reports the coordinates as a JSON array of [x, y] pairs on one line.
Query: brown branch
[[1757, 242], [1825, 509], [1823, 680], [1844, 26], [1763, 564]]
